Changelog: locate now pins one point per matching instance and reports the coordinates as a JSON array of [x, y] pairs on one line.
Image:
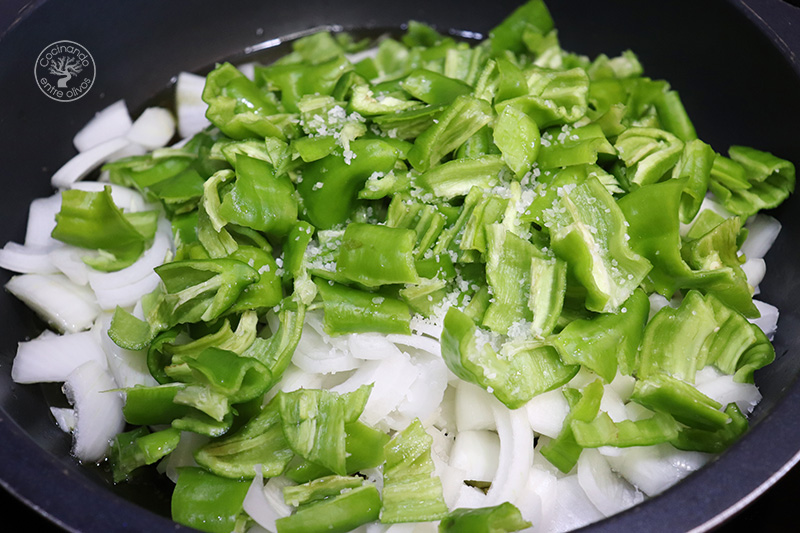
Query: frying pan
[[735, 64]]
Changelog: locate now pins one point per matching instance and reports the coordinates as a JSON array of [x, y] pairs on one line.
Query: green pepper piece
[[139, 447], [373, 255], [349, 310], [336, 514], [555, 96], [319, 489], [330, 186], [207, 502], [563, 451], [579, 146], [147, 406], [517, 137], [297, 79], [264, 293], [433, 88], [457, 177], [648, 153], [698, 440], [602, 431], [531, 16], [502, 518]]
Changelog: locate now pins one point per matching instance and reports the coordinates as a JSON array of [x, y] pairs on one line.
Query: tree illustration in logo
[[65, 67]]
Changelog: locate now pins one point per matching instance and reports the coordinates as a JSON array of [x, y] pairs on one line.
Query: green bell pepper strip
[[480, 144], [676, 340], [533, 368], [563, 451], [698, 440], [508, 273], [409, 124], [771, 181], [276, 351], [363, 447], [129, 332], [259, 198], [511, 80], [330, 186], [201, 289], [457, 123], [508, 35], [296, 80], [579, 146], [393, 183], [239, 108], [349, 310], [694, 165], [337, 514], [673, 116], [201, 423], [626, 65], [319, 489], [502, 518], [602, 431], [372, 255], [517, 137], [148, 406], [729, 174], [211, 231], [606, 342], [180, 193], [433, 88], [224, 338], [206, 399], [239, 378], [554, 98], [663, 393], [91, 220], [648, 153], [317, 47], [488, 212], [588, 231], [144, 171], [366, 103], [294, 249], [314, 148], [260, 441], [264, 293], [313, 422], [207, 502], [133, 449], [457, 177], [411, 491], [548, 287]]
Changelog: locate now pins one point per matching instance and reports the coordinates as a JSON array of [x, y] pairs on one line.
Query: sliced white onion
[[248, 69], [82, 164], [546, 412], [371, 346], [652, 469], [59, 302], [154, 128], [265, 504], [573, 509], [51, 358], [65, 418], [768, 321], [723, 389], [612, 404], [477, 454], [69, 261], [657, 303], [113, 121], [98, 410], [473, 408], [181, 456], [540, 490], [42, 220], [314, 354], [189, 104], [452, 479], [425, 394], [754, 268], [762, 230], [516, 454], [420, 342], [605, 489], [27, 259]]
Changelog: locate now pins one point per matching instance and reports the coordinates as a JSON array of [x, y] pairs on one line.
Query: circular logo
[[64, 71]]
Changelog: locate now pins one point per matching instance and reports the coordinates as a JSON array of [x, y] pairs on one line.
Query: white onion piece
[[51, 358], [762, 230], [42, 220], [82, 164], [516, 454], [371, 346], [59, 302], [470, 498], [657, 303], [477, 454], [248, 69], [573, 509], [546, 412], [425, 394], [452, 479], [768, 321], [623, 385], [65, 418], [723, 389], [605, 489], [69, 261], [264, 509], [754, 268], [708, 203], [542, 484], [98, 410], [652, 469], [181, 456], [127, 199], [189, 104], [420, 342], [154, 128], [128, 367], [473, 410], [27, 259], [113, 121], [313, 354]]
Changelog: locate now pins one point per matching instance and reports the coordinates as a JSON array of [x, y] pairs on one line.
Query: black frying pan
[[733, 62]]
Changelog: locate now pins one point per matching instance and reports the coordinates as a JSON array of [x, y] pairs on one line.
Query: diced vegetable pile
[[484, 286]]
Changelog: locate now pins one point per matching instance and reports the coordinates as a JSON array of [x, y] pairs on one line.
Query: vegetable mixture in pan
[[475, 286]]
